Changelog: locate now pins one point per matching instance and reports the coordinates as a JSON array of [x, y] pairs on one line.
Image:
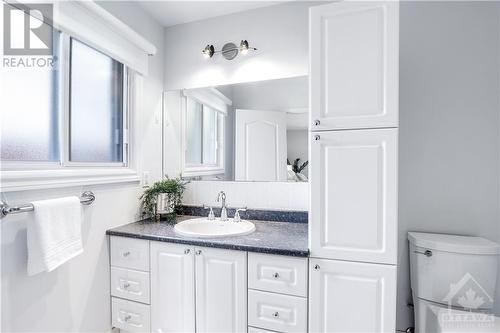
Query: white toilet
[[453, 282]]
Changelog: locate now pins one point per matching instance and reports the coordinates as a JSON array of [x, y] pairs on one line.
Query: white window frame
[[66, 113], [218, 102], [27, 175]]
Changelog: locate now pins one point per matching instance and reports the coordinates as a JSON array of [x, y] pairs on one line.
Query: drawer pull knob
[[126, 254], [276, 314], [317, 137], [127, 317], [126, 285], [198, 252], [276, 275], [317, 267], [317, 122], [186, 251]]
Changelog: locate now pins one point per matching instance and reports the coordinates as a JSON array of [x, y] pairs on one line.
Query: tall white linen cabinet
[[354, 53]]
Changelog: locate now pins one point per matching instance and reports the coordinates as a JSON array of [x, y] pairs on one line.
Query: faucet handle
[[237, 217], [211, 215]]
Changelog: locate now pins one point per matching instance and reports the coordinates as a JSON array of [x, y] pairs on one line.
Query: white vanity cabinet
[[354, 195], [172, 288], [130, 284], [354, 55], [277, 294], [197, 289], [354, 52], [221, 290], [189, 288], [351, 297]]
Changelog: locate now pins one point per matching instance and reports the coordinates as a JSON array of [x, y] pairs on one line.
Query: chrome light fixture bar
[[229, 50]]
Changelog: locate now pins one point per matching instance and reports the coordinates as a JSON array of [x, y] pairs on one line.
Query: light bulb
[[208, 51], [244, 47]]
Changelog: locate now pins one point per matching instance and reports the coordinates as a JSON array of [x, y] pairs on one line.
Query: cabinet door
[[172, 288], [351, 297], [354, 56], [354, 195], [221, 290]]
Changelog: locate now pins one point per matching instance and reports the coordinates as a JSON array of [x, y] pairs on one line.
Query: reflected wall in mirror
[[242, 132]]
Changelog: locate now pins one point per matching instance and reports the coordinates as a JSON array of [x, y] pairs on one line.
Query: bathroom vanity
[[162, 282]]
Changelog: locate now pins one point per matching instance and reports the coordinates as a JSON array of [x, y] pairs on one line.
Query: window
[[74, 114], [96, 106], [203, 139], [29, 117]]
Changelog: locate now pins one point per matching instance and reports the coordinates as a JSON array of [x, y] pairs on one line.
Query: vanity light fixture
[[208, 51], [229, 50]]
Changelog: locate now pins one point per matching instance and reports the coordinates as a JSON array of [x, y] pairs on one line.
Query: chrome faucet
[[223, 212]]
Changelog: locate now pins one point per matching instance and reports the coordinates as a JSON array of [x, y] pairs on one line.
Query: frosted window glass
[[29, 112], [209, 136], [96, 111], [194, 123]]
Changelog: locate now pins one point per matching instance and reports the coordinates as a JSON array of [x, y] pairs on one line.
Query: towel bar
[[87, 198]]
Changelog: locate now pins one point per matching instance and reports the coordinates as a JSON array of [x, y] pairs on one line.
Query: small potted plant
[[162, 198], [295, 170]]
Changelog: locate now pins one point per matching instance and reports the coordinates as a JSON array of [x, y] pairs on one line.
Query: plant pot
[[165, 207]]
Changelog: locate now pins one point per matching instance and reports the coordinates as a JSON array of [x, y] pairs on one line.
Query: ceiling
[[169, 13]]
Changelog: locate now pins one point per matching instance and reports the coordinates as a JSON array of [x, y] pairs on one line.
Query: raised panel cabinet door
[[351, 297], [221, 290], [354, 52], [172, 288], [354, 195]]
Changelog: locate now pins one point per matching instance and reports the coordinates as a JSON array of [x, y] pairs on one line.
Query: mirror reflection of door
[[260, 145]]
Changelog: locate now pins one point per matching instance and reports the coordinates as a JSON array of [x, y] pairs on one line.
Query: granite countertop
[[283, 238]]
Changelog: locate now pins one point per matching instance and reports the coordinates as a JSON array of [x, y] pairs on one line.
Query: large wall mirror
[[241, 132]]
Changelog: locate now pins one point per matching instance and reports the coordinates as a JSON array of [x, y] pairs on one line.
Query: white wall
[[449, 125], [75, 297], [280, 33], [272, 95]]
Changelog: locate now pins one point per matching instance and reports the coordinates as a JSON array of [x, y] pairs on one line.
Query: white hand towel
[[54, 233]]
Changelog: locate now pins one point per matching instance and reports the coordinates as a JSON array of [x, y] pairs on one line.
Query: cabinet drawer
[[130, 253], [130, 284], [277, 312], [130, 316], [279, 274]]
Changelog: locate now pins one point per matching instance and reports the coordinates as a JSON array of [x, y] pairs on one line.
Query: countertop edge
[[206, 243]]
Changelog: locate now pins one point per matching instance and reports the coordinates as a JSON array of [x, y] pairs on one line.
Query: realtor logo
[[468, 294], [27, 29]]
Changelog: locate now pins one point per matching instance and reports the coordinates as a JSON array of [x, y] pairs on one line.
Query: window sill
[[23, 180], [202, 171]]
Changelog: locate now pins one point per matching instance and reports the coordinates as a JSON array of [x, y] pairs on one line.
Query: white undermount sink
[[204, 228]]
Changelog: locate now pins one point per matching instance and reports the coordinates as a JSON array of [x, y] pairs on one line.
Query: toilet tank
[[453, 270]]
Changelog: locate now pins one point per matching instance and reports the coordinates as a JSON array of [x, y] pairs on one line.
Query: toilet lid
[[456, 321], [454, 243]]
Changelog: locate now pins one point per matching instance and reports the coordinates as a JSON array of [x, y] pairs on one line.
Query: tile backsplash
[[256, 195]]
